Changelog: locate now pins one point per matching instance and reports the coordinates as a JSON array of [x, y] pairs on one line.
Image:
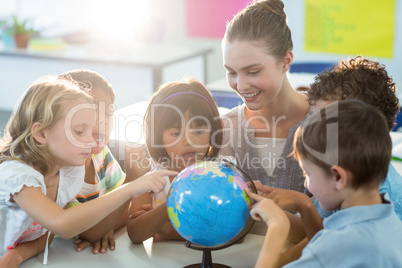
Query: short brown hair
[[265, 23], [361, 79], [160, 116], [351, 134]]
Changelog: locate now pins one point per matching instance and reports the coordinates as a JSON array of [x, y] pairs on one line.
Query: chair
[[310, 67]]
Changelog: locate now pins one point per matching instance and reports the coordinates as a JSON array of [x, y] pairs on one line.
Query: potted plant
[[22, 31]]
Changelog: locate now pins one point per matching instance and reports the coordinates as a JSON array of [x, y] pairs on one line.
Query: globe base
[[207, 262]]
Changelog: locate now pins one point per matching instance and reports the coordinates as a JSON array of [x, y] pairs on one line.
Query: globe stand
[[206, 261]]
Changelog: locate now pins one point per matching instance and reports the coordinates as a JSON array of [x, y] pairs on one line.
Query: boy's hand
[[266, 210], [99, 246], [286, 199], [144, 209]]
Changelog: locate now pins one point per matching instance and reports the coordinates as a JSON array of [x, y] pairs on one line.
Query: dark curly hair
[[361, 79]]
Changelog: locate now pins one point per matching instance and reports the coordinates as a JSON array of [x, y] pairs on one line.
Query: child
[[257, 53], [46, 143], [102, 172], [344, 150], [182, 127], [355, 78], [368, 81]]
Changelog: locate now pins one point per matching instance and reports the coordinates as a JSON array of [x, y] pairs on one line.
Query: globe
[[207, 204]]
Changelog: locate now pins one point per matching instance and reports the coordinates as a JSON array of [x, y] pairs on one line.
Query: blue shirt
[[361, 236], [392, 186]]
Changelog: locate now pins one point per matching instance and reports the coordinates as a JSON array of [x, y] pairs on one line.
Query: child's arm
[[297, 232], [278, 227], [102, 233], [168, 232], [14, 257], [145, 224], [70, 222], [293, 253], [144, 221]]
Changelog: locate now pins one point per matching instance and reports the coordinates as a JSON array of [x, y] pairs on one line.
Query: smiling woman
[[257, 54]]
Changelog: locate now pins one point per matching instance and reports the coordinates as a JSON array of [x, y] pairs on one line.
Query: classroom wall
[[295, 9], [295, 12], [172, 14]]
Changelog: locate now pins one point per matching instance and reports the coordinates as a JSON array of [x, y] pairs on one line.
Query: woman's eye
[[253, 73], [230, 73], [176, 134], [79, 133]]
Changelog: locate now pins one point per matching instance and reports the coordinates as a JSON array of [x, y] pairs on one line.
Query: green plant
[[21, 26]]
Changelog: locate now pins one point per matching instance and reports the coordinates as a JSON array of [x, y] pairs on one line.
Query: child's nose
[[186, 140], [90, 142]]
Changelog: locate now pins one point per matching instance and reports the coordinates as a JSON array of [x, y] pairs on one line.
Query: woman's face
[[255, 75]]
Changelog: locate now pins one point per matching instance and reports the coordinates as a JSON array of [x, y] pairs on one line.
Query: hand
[[150, 182], [286, 199], [144, 209], [99, 246], [266, 210]]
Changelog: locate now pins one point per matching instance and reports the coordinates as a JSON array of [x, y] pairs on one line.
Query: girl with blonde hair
[[42, 156]]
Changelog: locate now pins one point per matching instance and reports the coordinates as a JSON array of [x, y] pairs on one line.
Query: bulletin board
[[358, 27]]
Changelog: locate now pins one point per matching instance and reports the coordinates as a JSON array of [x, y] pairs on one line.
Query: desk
[[135, 70], [167, 254]]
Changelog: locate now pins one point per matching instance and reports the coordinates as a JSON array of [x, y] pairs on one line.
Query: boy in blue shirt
[[368, 81], [344, 150]]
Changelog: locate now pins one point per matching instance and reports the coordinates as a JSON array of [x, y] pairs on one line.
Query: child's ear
[[341, 177], [40, 135], [287, 61]]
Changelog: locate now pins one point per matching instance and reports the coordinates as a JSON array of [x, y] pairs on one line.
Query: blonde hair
[[43, 102], [263, 22]]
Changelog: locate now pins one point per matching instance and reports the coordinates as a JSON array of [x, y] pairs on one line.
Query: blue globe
[[207, 203]]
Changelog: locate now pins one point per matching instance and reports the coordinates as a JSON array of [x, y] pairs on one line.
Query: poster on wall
[[353, 27], [207, 18]]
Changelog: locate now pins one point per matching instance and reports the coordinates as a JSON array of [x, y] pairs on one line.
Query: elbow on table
[[66, 234], [135, 237]]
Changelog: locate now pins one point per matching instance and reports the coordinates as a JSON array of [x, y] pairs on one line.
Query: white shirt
[[16, 225], [269, 151]]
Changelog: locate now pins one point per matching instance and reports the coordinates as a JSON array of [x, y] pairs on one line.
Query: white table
[[167, 254]]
